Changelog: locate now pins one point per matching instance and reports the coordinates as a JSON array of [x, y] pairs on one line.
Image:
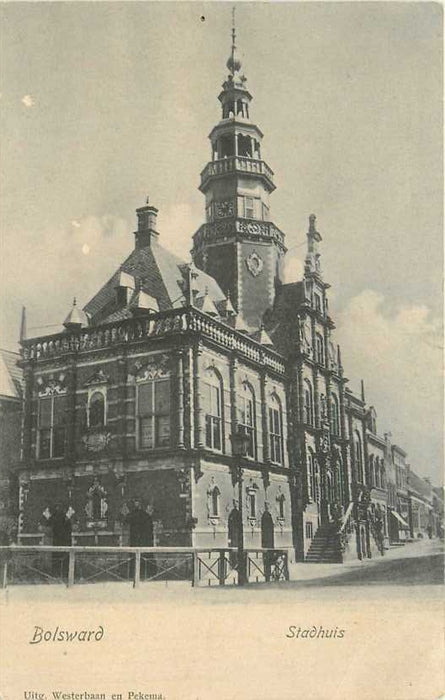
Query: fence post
[[222, 567], [286, 565], [71, 564], [4, 578], [195, 574], [137, 568]]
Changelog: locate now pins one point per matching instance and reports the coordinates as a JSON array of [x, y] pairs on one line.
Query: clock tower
[[238, 244]]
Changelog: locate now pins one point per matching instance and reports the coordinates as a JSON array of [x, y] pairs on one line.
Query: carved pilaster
[[180, 399], [71, 411], [121, 423], [28, 413], [197, 395], [233, 396], [266, 450]]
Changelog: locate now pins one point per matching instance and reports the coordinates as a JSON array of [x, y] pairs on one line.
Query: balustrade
[[165, 323], [232, 163]]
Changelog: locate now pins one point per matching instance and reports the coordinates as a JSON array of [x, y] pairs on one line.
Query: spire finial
[[74, 301], [147, 200], [233, 64]]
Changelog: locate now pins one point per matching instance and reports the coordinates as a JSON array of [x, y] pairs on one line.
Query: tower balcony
[[237, 165]]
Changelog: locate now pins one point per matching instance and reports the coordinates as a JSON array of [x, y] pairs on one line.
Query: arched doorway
[[267, 531]]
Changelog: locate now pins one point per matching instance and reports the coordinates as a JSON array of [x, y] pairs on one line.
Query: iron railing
[[73, 565]]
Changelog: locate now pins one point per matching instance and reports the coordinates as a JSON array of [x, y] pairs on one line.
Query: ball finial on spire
[[233, 63]]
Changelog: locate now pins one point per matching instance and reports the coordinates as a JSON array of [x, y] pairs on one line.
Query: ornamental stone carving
[[51, 385], [254, 264], [224, 209], [156, 367]]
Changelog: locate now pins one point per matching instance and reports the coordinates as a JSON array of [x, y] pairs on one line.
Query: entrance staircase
[[325, 547]]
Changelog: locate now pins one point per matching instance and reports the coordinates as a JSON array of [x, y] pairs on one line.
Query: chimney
[[23, 325], [147, 217]]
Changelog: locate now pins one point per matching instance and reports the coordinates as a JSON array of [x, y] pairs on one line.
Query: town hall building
[[129, 413]]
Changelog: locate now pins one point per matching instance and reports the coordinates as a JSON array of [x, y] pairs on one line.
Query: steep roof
[[157, 272], [11, 377]]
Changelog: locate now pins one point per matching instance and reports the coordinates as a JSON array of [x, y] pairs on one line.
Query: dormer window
[[317, 301], [125, 286]]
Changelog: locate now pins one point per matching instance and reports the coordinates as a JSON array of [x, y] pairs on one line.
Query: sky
[[103, 103]]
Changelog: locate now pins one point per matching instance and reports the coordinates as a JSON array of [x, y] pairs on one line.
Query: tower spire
[[233, 64]]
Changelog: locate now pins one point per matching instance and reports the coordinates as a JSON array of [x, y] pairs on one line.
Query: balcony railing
[[166, 323], [232, 164]]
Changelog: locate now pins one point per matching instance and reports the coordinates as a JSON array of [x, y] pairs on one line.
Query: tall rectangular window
[[247, 417], [154, 414], [213, 418], [249, 207], [51, 427], [212, 405], [275, 432]]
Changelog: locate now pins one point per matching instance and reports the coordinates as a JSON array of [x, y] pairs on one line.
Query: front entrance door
[[267, 531]]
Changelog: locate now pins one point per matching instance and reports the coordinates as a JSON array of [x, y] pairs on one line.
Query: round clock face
[[254, 264]]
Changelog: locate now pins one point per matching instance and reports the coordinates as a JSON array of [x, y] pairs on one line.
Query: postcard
[[221, 380]]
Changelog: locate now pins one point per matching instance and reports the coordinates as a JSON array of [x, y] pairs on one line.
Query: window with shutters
[[275, 430], [154, 415], [212, 404], [51, 427]]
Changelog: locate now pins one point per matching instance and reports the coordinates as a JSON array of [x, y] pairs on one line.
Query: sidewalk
[[303, 571]]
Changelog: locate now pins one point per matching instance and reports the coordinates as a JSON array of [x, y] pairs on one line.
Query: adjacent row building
[[132, 406]]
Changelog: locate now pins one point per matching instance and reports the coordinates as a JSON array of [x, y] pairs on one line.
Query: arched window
[[383, 475], [212, 405], [96, 410], [308, 403], [275, 430], [335, 415], [358, 454], [215, 502], [247, 416], [319, 349], [153, 410], [310, 475]]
